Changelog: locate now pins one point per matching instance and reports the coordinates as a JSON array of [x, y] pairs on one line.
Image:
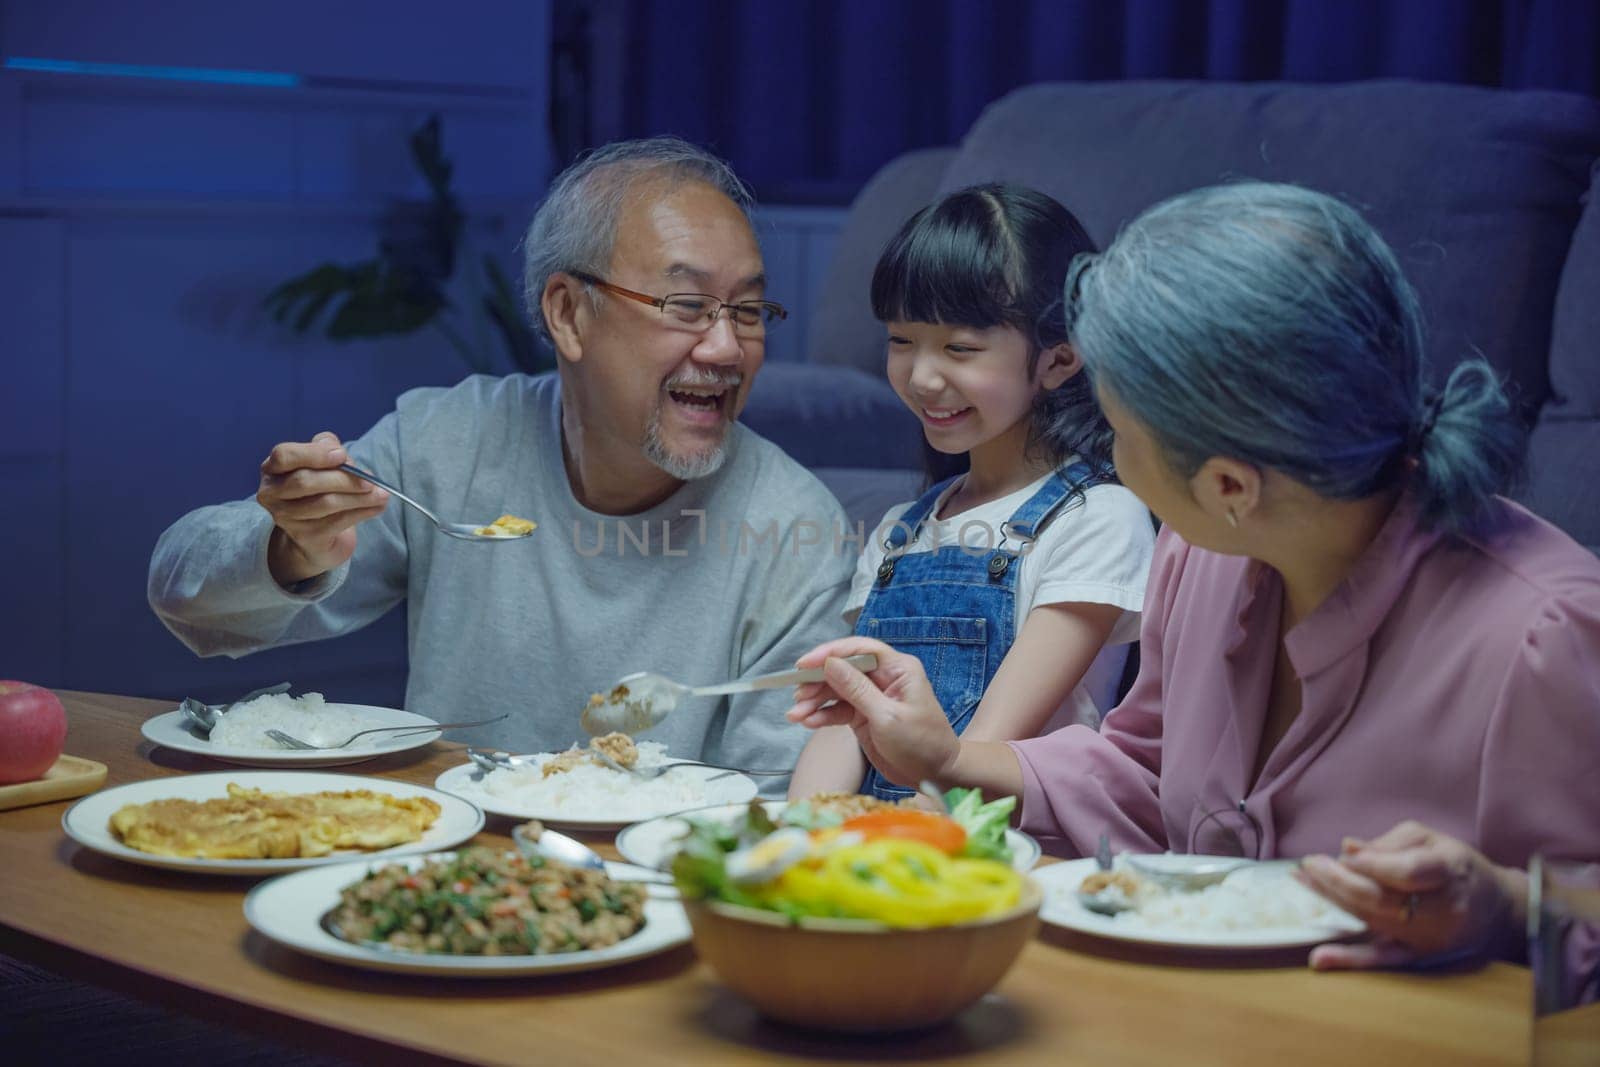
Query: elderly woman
[[1346, 628]]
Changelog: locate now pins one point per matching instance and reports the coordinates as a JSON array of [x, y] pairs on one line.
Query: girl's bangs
[[946, 273]]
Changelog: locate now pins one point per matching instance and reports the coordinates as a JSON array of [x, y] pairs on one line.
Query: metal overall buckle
[[1000, 561]]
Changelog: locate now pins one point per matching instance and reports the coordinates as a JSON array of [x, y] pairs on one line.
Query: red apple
[[33, 727]]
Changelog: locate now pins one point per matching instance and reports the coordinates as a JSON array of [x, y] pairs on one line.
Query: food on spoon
[[636, 712], [1123, 881], [33, 727], [489, 902], [507, 526], [619, 746], [253, 824]]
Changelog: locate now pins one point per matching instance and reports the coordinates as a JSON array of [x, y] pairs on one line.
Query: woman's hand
[[1422, 893], [893, 712]]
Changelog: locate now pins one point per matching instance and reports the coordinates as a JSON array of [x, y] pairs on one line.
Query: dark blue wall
[[142, 219]]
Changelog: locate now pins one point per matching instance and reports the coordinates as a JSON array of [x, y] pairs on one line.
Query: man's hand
[[1422, 893], [315, 507], [893, 712]]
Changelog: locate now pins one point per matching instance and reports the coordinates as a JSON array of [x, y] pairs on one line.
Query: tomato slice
[[944, 834]]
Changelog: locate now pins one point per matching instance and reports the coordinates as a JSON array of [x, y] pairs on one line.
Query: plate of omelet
[[268, 822]]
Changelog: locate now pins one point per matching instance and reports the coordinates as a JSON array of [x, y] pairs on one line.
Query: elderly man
[[670, 537]]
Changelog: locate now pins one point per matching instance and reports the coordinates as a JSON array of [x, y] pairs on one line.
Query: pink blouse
[[1455, 683]]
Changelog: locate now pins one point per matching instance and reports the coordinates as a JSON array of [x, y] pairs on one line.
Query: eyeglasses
[[697, 312], [1230, 831]]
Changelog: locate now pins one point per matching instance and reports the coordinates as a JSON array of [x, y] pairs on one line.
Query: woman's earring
[[1233, 520]]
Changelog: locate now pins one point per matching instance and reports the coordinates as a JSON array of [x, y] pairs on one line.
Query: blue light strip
[[135, 70]]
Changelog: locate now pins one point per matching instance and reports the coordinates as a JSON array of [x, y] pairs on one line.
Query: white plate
[[88, 822], [170, 730], [655, 842], [466, 782], [289, 910], [1061, 908]]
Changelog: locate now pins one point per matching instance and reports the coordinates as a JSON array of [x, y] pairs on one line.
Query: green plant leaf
[[427, 151], [402, 289], [384, 302], [310, 292]]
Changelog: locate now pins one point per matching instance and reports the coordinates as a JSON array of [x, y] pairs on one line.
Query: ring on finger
[[1408, 909]]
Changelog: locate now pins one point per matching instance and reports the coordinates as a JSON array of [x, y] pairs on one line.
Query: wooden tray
[[69, 777]]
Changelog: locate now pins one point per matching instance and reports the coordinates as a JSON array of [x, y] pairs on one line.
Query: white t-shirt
[[1096, 551]]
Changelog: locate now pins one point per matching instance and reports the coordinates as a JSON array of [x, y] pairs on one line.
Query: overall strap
[[904, 531], [909, 524], [1037, 511]]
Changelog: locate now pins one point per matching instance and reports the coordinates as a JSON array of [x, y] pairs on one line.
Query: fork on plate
[[290, 741], [649, 774]]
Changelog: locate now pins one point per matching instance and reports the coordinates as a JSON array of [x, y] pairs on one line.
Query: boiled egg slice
[[769, 857], [827, 841]]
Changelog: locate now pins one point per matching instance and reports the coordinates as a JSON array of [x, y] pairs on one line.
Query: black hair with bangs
[[997, 255]]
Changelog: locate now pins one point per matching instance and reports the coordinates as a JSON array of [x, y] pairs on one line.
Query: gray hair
[[1271, 324], [575, 229]]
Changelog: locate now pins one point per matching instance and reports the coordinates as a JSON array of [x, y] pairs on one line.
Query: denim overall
[[954, 608]]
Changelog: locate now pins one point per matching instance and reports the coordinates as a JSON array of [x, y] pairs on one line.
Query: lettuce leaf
[[985, 824], [701, 866]]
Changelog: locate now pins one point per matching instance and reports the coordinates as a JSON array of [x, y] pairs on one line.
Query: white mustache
[[709, 381]]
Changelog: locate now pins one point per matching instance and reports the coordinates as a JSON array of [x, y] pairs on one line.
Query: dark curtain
[[807, 98]]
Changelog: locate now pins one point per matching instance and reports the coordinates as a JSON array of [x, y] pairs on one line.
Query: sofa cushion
[[842, 328], [867, 494], [1562, 452], [1477, 190], [833, 417], [1575, 344], [1561, 483]]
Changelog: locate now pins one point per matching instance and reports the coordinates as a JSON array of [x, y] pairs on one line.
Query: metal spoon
[[203, 717], [489, 762], [641, 700], [1189, 874], [574, 853], [647, 774], [464, 531], [1107, 901]]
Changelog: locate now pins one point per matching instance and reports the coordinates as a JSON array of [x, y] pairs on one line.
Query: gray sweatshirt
[[734, 574]]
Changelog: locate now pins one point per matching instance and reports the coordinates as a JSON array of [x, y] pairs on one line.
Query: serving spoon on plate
[[639, 701], [575, 853], [463, 531], [203, 717]]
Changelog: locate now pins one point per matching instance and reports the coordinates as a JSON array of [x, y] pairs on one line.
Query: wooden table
[[182, 940]]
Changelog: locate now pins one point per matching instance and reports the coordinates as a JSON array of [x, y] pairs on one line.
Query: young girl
[[1018, 583]]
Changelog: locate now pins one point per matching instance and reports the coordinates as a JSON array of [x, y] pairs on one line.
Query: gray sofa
[[1484, 194]]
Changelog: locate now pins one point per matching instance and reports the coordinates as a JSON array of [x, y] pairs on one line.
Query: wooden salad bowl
[[856, 975]]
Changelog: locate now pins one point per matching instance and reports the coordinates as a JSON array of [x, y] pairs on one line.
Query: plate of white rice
[[1258, 906], [592, 797], [240, 734]]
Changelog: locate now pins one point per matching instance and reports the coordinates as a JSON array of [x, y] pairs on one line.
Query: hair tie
[[1430, 416]]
